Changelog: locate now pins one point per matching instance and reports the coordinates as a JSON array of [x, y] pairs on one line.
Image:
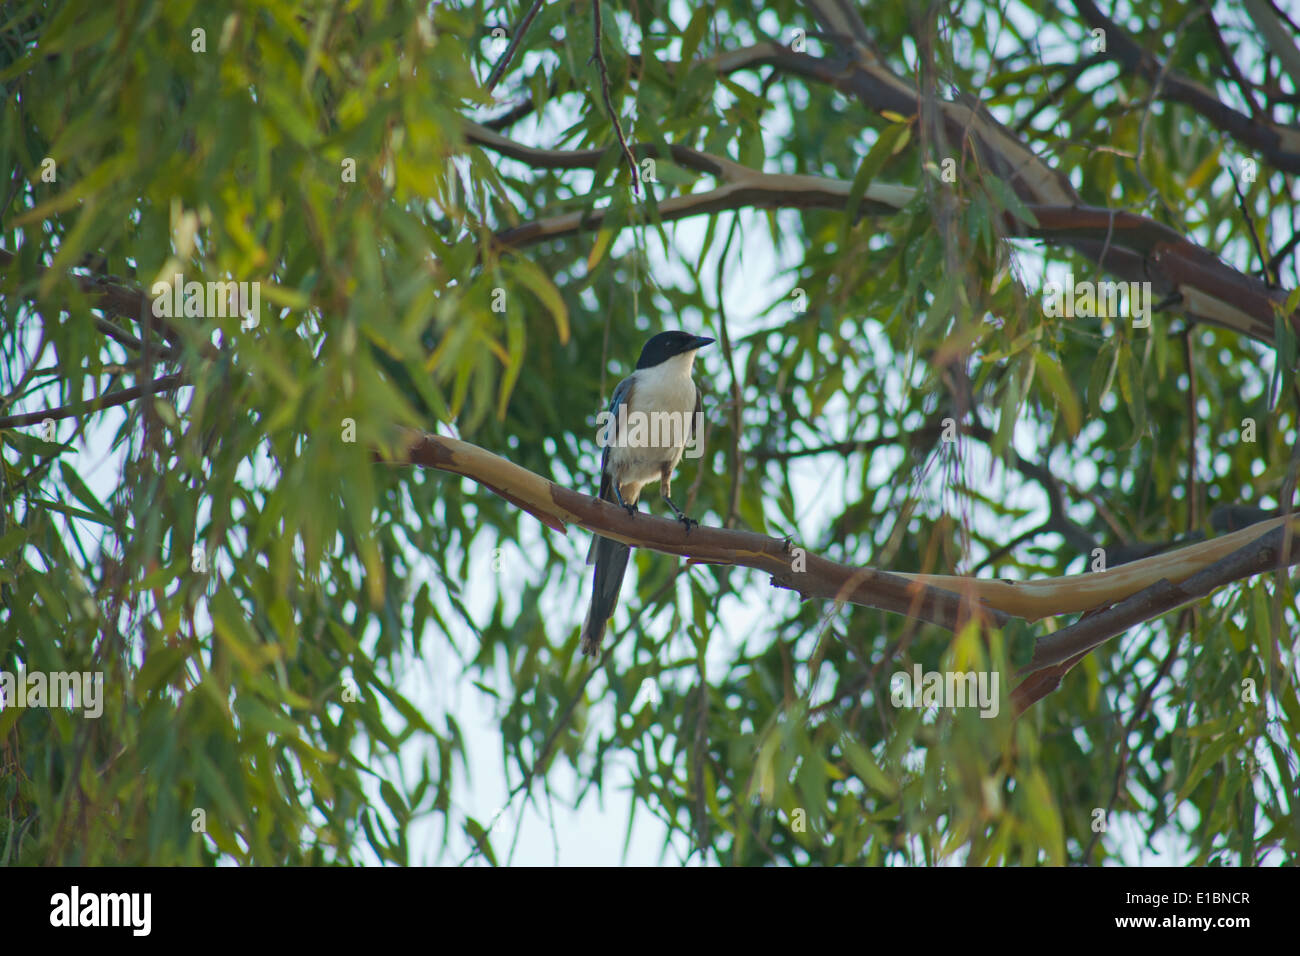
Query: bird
[[652, 418]]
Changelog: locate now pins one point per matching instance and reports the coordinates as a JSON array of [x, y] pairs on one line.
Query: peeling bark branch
[[557, 506], [1275, 549], [1077, 593], [1140, 586]]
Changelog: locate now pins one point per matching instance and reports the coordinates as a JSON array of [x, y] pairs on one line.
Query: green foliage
[[254, 588]]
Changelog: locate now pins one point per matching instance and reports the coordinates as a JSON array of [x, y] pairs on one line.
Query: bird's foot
[[681, 515], [631, 509]]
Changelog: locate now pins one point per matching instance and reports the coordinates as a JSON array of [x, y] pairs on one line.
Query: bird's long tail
[[610, 558]]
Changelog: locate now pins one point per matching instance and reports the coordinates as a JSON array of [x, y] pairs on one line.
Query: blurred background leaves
[[254, 588]]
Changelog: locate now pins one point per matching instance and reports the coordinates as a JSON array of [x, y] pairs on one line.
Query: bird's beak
[[701, 341]]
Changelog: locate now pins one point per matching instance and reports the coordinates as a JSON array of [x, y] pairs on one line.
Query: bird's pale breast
[[664, 399]]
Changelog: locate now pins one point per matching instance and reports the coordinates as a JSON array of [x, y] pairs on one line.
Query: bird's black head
[[665, 345]]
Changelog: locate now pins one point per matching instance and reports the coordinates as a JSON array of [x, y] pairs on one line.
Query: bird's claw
[[688, 522]]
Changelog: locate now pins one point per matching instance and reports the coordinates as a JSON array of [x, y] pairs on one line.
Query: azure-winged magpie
[[654, 416]]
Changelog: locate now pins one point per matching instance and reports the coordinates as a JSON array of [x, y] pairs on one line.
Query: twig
[[599, 57], [506, 57], [165, 384], [1250, 228]]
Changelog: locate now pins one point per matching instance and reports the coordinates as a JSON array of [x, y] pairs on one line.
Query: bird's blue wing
[[622, 395]]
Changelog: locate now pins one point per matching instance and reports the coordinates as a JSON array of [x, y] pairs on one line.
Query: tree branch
[[808, 574], [945, 600], [1261, 553], [1211, 290], [165, 384], [1280, 145]]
